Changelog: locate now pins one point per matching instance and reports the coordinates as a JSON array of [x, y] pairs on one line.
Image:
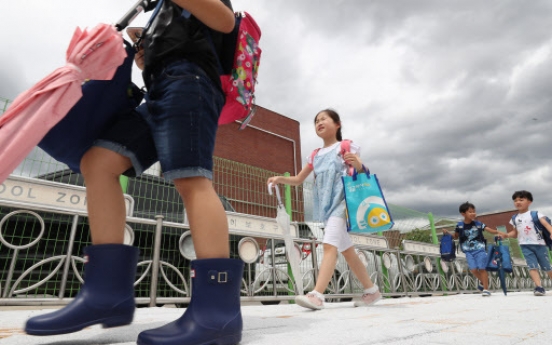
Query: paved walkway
[[519, 318]]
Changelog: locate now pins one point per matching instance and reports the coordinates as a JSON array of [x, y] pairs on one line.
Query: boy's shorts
[[176, 126], [335, 233], [477, 259], [536, 255]]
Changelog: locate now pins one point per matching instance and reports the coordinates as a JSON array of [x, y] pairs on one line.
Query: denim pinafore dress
[[329, 197]]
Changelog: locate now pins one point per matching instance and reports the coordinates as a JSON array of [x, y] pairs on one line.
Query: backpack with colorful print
[[239, 65]]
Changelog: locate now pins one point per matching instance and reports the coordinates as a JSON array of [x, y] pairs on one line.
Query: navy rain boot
[[214, 314], [106, 297]]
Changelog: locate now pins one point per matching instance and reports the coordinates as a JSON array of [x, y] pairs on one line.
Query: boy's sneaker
[[479, 286], [368, 299], [485, 293], [539, 291], [310, 301]]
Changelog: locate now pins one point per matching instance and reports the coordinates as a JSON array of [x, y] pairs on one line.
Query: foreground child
[[177, 126]]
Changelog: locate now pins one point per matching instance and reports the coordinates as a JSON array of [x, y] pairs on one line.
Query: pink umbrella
[[92, 54]]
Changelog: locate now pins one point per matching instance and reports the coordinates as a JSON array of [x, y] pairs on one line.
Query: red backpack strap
[[311, 164]]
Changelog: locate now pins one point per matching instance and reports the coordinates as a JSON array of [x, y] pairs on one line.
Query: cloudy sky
[[450, 100]]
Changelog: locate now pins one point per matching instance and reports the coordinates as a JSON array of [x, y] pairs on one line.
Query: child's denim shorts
[[477, 259], [535, 255], [176, 125]]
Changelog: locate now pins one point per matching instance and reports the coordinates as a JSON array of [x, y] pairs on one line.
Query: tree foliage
[[418, 236]]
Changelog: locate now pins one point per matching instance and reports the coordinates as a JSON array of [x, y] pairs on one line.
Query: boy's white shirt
[[526, 229]]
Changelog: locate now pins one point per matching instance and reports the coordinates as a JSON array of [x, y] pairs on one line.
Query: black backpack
[[448, 248]]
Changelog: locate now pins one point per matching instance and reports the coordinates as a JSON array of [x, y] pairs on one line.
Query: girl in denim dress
[[329, 207]]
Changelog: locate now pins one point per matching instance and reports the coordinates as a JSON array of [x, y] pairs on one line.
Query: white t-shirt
[[354, 149], [320, 152], [526, 229]]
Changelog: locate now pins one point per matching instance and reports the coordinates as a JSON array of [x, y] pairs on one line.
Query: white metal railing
[[31, 206]]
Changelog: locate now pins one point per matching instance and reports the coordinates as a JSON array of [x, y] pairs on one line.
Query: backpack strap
[[156, 10], [514, 221], [536, 221], [460, 229], [480, 230], [312, 155]]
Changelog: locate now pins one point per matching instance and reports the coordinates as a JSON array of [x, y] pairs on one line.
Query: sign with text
[[420, 247], [52, 195], [375, 242], [258, 225]]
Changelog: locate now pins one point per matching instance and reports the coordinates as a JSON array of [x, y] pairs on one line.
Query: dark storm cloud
[[450, 100]]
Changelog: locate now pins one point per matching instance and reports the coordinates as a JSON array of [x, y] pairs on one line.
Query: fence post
[[287, 204], [384, 272], [435, 240], [155, 261], [69, 256], [123, 180]]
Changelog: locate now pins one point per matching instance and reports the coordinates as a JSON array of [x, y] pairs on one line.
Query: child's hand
[[353, 160], [139, 59], [274, 180]]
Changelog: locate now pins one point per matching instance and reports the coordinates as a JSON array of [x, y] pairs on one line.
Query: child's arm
[[546, 225], [212, 13], [495, 232], [454, 235], [512, 233], [292, 180], [354, 160]]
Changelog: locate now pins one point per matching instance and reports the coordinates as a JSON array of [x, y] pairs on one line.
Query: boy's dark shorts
[[176, 125]]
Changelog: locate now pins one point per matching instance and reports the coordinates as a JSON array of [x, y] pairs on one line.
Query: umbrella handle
[[270, 185], [138, 8]]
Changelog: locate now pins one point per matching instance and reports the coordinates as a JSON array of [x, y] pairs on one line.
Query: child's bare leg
[[208, 222], [107, 295], [484, 277], [101, 169], [357, 267], [326, 268], [534, 273], [478, 274]]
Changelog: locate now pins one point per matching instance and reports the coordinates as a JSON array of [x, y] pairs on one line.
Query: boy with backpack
[[473, 244], [532, 229]]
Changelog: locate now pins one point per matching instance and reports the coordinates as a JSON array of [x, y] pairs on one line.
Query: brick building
[[271, 144], [497, 219]]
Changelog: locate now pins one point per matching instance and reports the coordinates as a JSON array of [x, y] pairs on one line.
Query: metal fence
[[43, 227]]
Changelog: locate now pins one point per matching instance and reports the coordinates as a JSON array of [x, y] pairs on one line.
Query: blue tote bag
[[102, 101], [367, 211]]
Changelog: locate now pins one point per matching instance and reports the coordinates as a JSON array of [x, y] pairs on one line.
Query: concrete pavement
[[519, 318]]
